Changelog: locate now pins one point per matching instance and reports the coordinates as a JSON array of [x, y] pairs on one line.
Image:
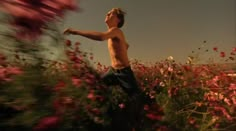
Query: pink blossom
[[47, 122], [232, 86], [153, 116], [90, 79], [191, 120], [6, 73], [215, 49], [14, 70], [91, 96], [67, 4], [29, 17], [227, 101], [222, 54], [60, 85], [233, 100], [224, 111], [68, 43], [76, 81], [234, 49], [122, 105], [170, 69]]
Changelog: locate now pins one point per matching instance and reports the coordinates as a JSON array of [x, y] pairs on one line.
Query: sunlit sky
[[156, 29]]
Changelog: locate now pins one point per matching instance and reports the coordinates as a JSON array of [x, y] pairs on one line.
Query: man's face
[[111, 17]]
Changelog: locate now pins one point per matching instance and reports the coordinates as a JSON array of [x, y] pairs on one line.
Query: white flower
[[170, 58]]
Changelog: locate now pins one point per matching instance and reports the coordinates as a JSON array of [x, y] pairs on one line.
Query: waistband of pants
[[121, 70]]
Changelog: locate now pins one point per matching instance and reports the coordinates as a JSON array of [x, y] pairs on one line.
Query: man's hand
[[67, 31]]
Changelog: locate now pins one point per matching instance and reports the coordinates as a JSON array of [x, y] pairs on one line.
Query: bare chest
[[114, 45]]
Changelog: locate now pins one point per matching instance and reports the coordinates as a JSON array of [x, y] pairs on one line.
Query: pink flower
[[153, 116], [27, 28], [67, 4], [14, 70], [60, 85], [223, 111], [76, 81], [232, 86], [30, 17], [47, 122], [191, 120], [227, 101], [222, 54], [233, 100], [91, 96], [215, 49], [122, 105], [234, 49], [68, 43], [6, 73]]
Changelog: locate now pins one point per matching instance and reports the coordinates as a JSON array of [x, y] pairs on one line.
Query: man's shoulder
[[116, 31]]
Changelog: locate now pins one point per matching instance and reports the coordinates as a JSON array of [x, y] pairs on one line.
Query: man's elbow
[[102, 38], [97, 38]]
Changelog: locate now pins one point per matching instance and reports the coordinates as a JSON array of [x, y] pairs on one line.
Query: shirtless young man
[[120, 72]]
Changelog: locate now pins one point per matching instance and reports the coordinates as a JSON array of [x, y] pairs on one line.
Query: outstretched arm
[[100, 36]]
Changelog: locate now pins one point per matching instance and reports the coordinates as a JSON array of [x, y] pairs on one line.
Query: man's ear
[[118, 21]]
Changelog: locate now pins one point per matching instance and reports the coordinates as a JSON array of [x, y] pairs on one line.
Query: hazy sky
[[156, 29]]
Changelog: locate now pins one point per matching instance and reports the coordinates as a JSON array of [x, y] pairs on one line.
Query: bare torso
[[118, 52]]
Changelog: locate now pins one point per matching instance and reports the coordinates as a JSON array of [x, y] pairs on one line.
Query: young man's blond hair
[[121, 15]]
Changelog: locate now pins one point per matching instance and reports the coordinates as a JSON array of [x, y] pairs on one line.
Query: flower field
[[66, 94]]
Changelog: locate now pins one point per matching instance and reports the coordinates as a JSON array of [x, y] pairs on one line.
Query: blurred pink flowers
[[222, 54], [122, 105], [215, 49], [29, 17], [7, 72], [47, 123]]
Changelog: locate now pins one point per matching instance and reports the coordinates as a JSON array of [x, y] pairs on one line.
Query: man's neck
[[111, 26]]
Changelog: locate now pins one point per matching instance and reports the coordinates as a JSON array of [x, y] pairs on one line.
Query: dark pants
[[124, 119], [123, 77]]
